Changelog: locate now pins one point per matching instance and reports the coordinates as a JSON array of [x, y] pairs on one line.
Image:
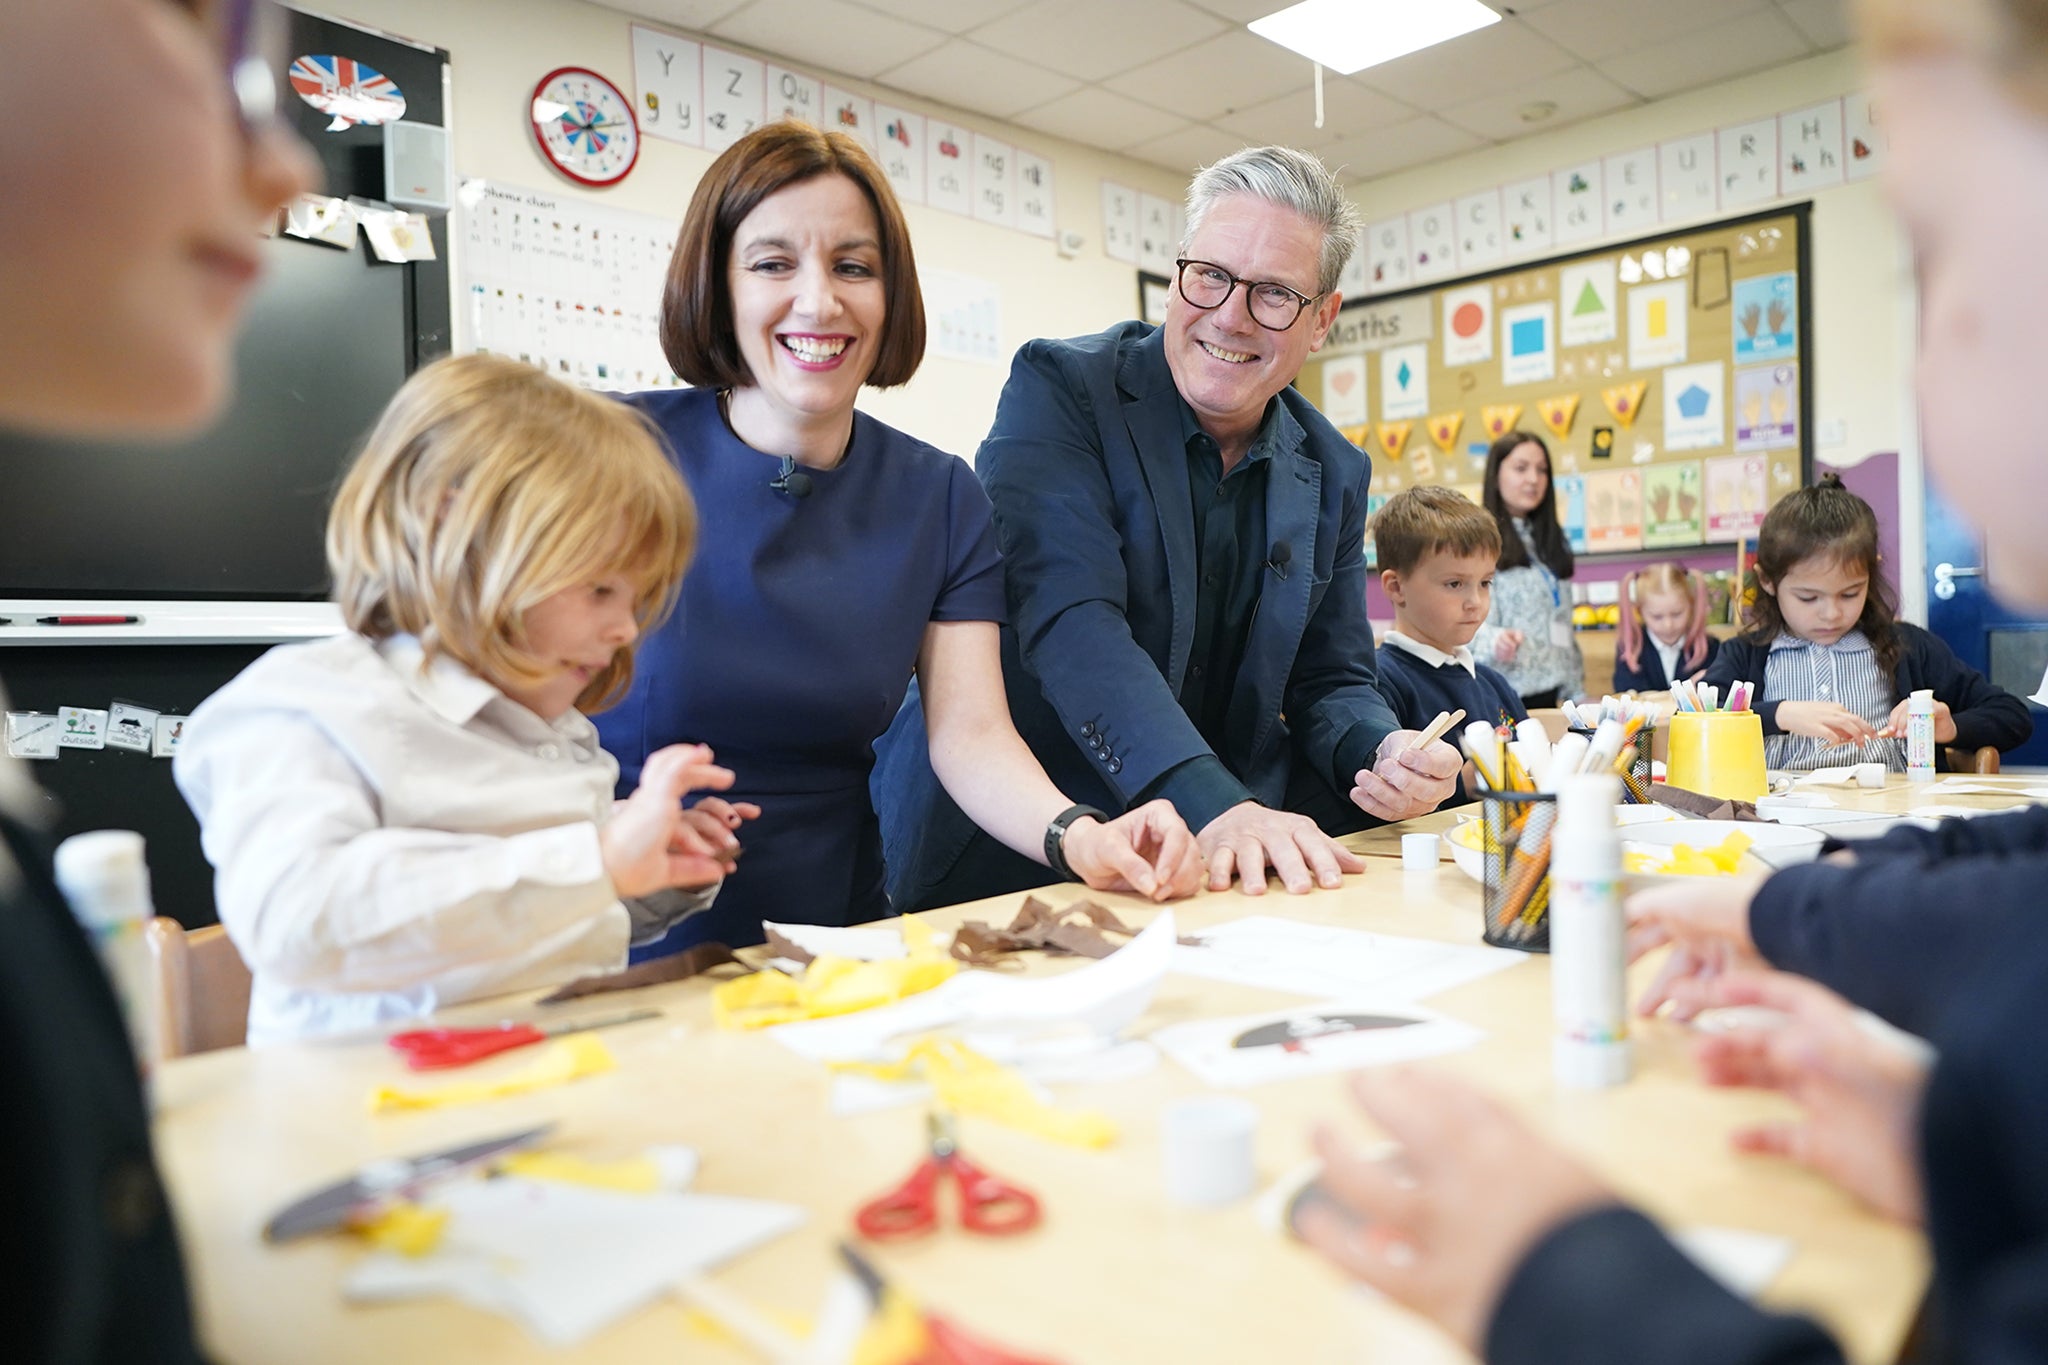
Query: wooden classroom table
[[1115, 1275]]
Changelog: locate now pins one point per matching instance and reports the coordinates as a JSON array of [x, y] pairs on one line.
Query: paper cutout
[[829, 986], [1329, 963], [1344, 390], [404, 1228], [1625, 401], [1557, 413], [1499, 419], [1393, 437], [1657, 323], [1693, 416], [1586, 301], [1311, 1040], [966, 1082], [318, 218], [346, 90], [1528, 343], [1444, 429], [566, 1059]]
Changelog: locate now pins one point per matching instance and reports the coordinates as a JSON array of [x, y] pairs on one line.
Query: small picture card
[[131, 727], [170, 732], [81, 727], [396, 236], [31, 734]]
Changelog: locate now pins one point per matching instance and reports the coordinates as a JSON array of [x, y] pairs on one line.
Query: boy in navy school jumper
[[1437, 551]]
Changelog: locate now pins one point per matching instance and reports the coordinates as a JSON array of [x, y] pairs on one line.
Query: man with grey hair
[[1183, 542]]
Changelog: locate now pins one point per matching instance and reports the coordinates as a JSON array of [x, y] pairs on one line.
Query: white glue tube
[[1588, 951], [1920, 736]]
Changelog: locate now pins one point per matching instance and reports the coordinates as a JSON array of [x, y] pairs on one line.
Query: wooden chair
[[1984, 760], [202, 988]]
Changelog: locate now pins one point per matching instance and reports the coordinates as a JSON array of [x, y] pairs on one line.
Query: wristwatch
[[1056, 837]]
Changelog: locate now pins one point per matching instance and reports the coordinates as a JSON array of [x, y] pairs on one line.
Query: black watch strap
[[1056, 837]]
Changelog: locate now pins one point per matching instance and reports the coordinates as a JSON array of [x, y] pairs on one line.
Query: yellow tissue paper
[[895, 1334], [829, 986], [967, 1082], [1683, 860], [559, 1062], [633, 1175], [404, 1228]]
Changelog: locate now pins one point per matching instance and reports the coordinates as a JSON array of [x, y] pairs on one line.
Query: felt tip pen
[[87, 620]]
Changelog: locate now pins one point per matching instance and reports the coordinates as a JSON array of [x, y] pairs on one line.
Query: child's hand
[[1505, 646], [1827, 720], [1705, 920], [1944, 723], [652, 844], [1860, 1089]]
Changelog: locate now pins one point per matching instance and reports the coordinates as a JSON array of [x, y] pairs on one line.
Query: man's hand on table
[[1405, 782], [1248, 838]]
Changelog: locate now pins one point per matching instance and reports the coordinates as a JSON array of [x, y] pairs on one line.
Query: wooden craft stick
[[1444, 721]]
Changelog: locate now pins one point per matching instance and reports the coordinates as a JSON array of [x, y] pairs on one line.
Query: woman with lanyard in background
[[1528, 631], [839, 556]]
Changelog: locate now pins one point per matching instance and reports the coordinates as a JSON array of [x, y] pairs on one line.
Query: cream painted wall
[[500, 48], [1863, 291]]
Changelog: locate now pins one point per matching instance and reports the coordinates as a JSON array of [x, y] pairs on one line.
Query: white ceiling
[[1181, 82]]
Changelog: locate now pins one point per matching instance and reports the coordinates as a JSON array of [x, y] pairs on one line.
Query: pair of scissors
[[436, 1049], [991, 1207]]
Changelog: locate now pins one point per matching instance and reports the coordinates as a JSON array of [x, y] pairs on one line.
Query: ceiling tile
[[1234, 70], [1117, 36], [1405, 144], [1738, 47], [694, 15], [972, 77], [1291, 119], [1243, 11], [1822, 21], [1507, 53], [1101, 118], [1578, 93], [1184, 151], [1598, 29], [954, 16], [829, 35]]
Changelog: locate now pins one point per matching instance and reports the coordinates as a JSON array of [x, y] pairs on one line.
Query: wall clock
[[584, 126]]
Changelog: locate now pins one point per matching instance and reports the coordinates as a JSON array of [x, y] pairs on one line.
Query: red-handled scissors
[[436, 1049], [988, 1206]]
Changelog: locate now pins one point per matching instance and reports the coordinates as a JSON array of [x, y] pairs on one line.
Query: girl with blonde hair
[[417, 812], [1663, 637]]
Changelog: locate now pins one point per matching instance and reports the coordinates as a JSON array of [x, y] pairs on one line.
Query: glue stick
[[1920, 736], [1588, 952]]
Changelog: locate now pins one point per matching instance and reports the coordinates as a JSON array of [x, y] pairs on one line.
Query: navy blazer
[[1087, 469], [1649, 675]]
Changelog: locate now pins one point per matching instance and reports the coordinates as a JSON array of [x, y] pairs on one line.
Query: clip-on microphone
[[791, 480]]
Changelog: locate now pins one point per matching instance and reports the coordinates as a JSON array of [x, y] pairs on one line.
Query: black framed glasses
[[1273, 306]]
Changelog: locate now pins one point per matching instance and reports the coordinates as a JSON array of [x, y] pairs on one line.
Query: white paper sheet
[[566, 1261], [1977, 786], [862, 945], [1744, 1262], [1337, 1035], [1314, 960]]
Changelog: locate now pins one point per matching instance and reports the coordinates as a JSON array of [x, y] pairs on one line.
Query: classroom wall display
[[563, 282], [702, 95], [1669, 376]]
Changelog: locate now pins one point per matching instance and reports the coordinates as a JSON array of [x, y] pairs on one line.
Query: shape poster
[[1766, 317], [1671, 505], [1736, 496], [1614, 510], [1468, 325], [1585, 300], [1344, 390], [1404, 381], [1694, 410], [1528, 334], [1766, 407], [1657, 325]]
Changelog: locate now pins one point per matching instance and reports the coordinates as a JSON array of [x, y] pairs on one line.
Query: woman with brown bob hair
[[839, 558]]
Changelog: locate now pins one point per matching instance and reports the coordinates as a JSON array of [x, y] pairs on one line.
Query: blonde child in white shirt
[[417, 812]]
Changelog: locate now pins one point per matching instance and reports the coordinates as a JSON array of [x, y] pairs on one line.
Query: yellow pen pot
[[1720, 753]]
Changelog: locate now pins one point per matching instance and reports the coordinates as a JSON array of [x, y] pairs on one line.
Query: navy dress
[[792, 646]]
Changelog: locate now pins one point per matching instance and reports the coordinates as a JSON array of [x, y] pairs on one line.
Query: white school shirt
[[388, 842], [1668, 655], [1430, 654]]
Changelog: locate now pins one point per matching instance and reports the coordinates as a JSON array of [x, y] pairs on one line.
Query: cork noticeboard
[[1669, 376]]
